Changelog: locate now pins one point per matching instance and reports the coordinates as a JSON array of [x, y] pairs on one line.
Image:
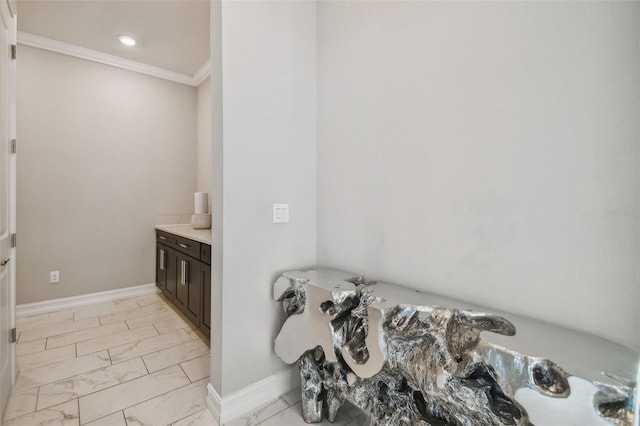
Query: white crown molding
[[33, 40], [203, 72], [244, 401], [85, 299]]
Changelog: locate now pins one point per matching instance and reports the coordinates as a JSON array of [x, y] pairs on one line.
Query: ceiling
[[171, 34]]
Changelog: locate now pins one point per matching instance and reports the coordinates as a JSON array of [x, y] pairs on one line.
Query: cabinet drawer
[[187, 246], [205, 253], [165, 238]]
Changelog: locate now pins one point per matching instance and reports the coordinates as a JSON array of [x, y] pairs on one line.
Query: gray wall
[[486, 151], [268, 131], [204, 157], [217, 199], [102, 151]]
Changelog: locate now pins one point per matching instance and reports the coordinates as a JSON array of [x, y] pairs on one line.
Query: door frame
[[13, 187], [11, 194]]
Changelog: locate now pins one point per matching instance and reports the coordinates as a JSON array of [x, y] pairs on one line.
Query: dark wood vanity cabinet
[[165, 270], [189, 287], [205, 323], [205, 274], [183, 273]]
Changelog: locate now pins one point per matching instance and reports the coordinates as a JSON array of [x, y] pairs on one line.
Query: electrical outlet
[[54, 277]]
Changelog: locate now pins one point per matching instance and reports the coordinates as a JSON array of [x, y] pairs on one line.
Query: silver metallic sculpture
[[413, 358]]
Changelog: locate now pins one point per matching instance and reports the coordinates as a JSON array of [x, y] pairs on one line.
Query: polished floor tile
[[86, 334], [113, 340], [93, 381], [84, 365], [170, 325], [63, 327], [293, 396], [65, 414], [102, 403], [175, 355], [261, 414], [105, 308], [38, 359], [115, 419], [169, 407], [61, 370], [201, 418], [292, 417], [150, 344], [22, 401], [31, 347], [42, 320], [151, 319], [197, 368], [129, 362], [133, 313], [148, 300]]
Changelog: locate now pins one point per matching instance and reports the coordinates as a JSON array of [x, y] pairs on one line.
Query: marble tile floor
[[286, 411], [129, 362], [133, 361]]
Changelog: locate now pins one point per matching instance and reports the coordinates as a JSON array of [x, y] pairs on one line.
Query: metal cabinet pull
[[163, 238], [182, 276], [161, 260], [183, 245]]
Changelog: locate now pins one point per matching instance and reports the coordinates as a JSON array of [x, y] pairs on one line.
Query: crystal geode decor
[[415, 358]]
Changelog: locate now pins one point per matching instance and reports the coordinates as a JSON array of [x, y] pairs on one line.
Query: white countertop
[[187, 231]]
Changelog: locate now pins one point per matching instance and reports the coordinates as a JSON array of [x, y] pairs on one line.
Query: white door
[[7, 199]]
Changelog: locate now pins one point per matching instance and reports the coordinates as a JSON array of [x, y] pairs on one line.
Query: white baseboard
[[84, 299], [214, 402], [246, 400], [637, 404]]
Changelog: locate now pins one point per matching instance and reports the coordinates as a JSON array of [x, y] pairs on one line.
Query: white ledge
[[32, 40]]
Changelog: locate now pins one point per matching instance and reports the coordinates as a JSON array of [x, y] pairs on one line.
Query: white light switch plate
[[281, 213]]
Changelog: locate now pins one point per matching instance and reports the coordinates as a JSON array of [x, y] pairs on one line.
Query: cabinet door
[[182, 271], [165, 270], [161, 267], [194, 287], [205, 318], [170, 286], [188, 287]]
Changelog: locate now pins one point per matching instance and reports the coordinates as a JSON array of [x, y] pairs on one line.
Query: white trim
[[214, 402], [636, 409], [85, 299], [33, 40], [203, 72], [246, 400], [12, 7]]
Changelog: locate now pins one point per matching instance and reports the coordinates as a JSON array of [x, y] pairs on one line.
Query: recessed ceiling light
[[127, 40]]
